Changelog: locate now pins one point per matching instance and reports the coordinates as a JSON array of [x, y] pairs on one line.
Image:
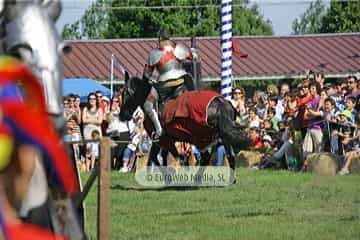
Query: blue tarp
[[82, 87]]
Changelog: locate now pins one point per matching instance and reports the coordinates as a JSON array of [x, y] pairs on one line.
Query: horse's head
[[134, 95], [29, 34]]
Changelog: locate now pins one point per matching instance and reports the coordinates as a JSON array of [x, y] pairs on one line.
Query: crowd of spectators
[[98, 117], [286, 124], [289, 123]]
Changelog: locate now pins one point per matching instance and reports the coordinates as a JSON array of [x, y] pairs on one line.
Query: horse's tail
[[229, 131]]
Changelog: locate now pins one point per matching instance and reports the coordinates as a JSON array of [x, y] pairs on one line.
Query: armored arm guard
[[154, 58], [182, 52]]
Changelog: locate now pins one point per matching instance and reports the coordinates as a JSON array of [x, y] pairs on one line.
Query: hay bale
[[324, 164], [354, 167], [248, 158], [142, 161], [192, 160]]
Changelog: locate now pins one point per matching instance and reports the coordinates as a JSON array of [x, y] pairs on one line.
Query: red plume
[[236, 50]]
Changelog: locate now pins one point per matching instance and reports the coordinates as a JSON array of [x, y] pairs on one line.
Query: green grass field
[[261, 205]]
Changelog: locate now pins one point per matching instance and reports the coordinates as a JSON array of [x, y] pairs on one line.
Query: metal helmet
[[163, 35], [29, 33]]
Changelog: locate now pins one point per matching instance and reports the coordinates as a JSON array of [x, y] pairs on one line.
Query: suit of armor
[[167, 60]]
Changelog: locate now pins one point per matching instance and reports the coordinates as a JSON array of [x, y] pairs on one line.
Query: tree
[[310, 21], [341, 16], [143, 19], [91, 25]]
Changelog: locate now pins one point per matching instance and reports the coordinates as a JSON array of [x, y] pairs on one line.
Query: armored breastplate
[[168, 63]]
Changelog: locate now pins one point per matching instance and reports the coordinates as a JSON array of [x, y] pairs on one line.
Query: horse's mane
[[140, 84]]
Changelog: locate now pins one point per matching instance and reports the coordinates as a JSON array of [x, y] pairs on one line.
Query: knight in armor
[[172, 80]]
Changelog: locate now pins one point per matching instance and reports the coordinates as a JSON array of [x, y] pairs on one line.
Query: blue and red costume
[[26, 120]]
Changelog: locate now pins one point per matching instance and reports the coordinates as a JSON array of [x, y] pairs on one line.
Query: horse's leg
[[231, 156], [154, 151], [221, 115]]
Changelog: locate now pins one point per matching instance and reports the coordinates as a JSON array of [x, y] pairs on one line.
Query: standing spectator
[[72, 115], [329, 114], [272, 90], [290, 103], [284, 89], [314, 135], [332, 92], [99, 97], [302, 102], [341, 86], [320, 78], [92, 117], [353, 91], [65, 103]]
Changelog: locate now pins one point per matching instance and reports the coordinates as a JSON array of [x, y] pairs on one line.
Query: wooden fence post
[[103, 190]]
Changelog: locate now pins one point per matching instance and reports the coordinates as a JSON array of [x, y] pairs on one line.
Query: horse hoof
[[234, 181]]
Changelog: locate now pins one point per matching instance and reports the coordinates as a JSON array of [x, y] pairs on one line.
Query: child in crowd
[[350, 103], [93, 150], [354, 142], [137, 136], [254, 120], [255, 138], [273, 119], [267, 144]]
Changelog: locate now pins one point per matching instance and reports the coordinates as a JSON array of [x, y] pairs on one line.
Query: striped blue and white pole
[[226, 48]]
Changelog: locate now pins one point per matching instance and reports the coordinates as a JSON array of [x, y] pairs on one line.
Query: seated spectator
[[287, 150], [255, 138], [253, 119], [93, 150], [273, 119], [267, 144], [220, 155], [238, 102]]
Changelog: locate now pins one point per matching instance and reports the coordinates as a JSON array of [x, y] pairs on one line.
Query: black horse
[[197, 117]]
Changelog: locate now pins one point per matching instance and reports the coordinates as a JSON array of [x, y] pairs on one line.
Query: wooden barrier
[[103, 190]]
